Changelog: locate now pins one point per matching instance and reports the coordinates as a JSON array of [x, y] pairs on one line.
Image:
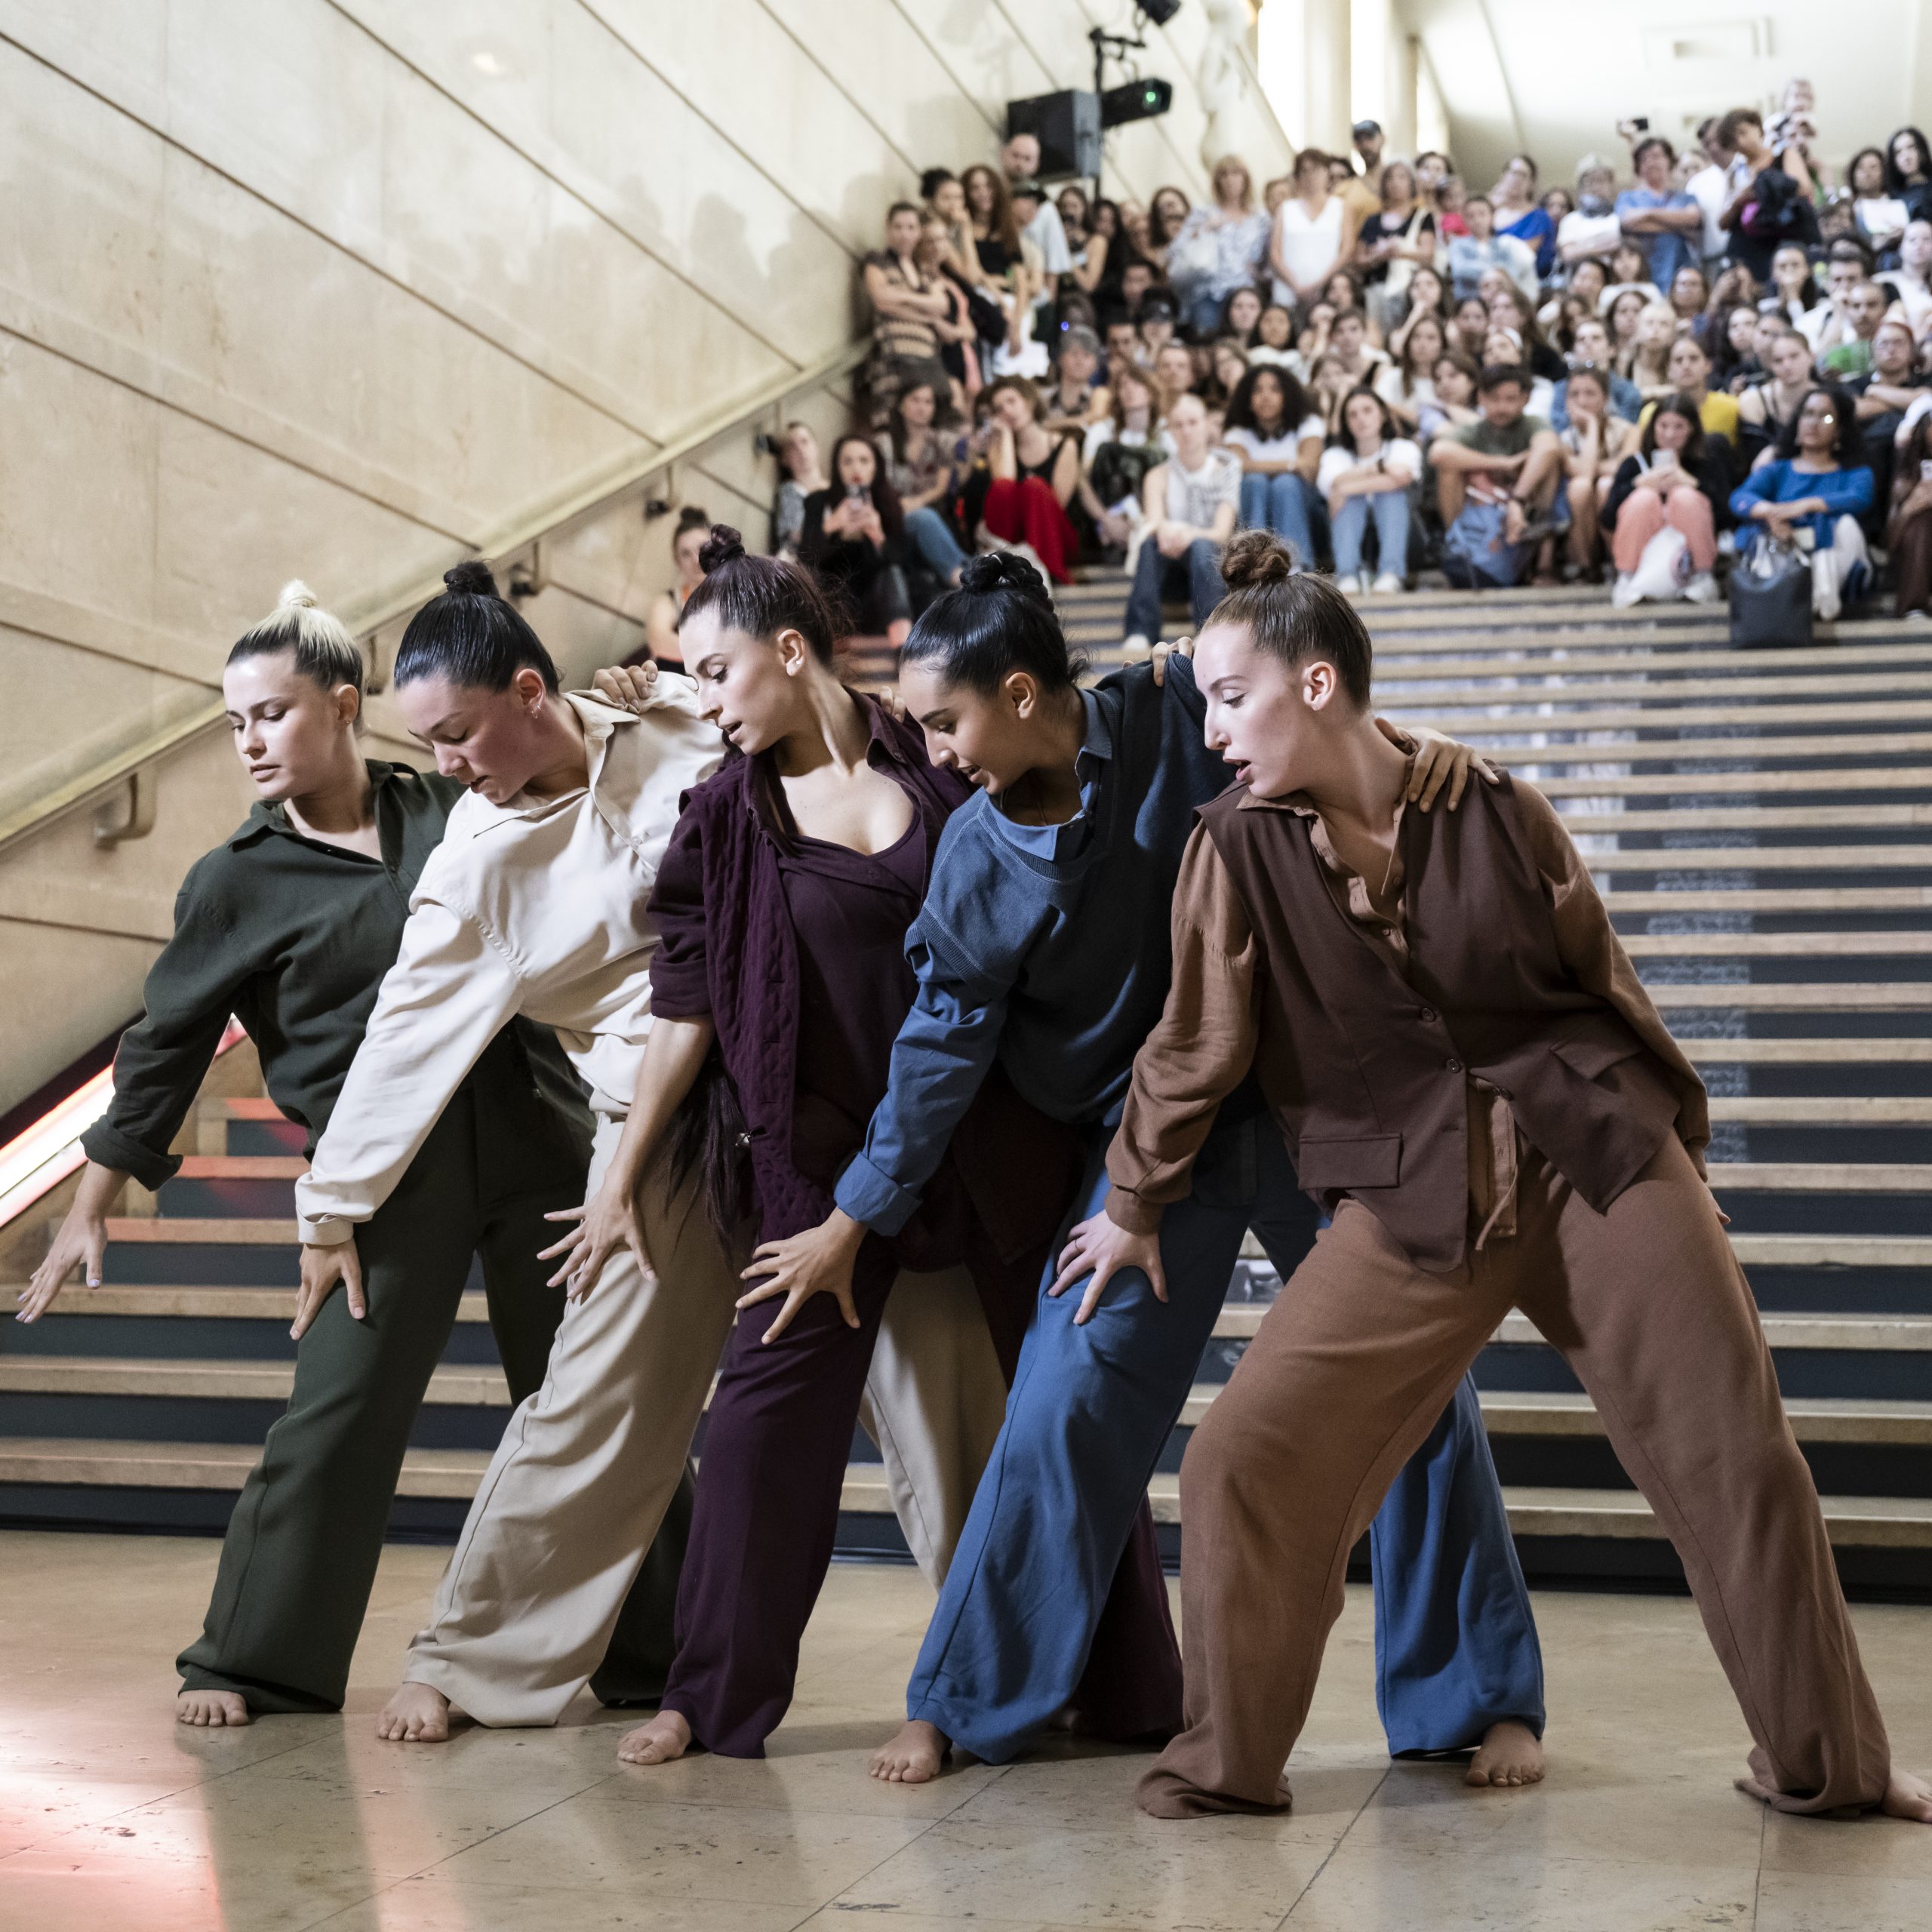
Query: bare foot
[[416, 1714], [914, 1756], [1908, 1797], [1510, 1754], [663, 1741], [214, 1710]]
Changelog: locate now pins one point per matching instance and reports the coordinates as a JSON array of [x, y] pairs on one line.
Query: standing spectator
[[1481, 247], [1908, 284], [1020, 159], [1275, 338], [1513, 201], [660, 628], [1688, 371], [1818, 481], [1594, 442], [1709, 187], [1313, 232], [1275, 192], [1166, 216], [801, 472], [1766, 410], [853, 542], [1495, 480], [1076, 397], [1366, 473], [1864, 310], [1673, 481], [1393, 242], [1878, 215], [1035, 476], [1665, 218], [1367, 137], [1276, 434], [1590, 231], [1909, 533], [921, 467], [1191, 502], [1218, 249], [1771, 193], [1883, 396], [909, 310], [1405, 385], [1908, 171]]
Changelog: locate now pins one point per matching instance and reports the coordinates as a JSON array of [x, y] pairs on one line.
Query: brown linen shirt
[[1207, 1038]]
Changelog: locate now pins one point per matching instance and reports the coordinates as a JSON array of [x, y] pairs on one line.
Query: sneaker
[[1351, 583], [1701, 587], [1623, 591], [1917, 618], [1387, 583], [1136, 649]]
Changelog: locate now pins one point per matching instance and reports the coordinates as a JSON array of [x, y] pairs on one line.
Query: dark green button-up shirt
[[293, 935]]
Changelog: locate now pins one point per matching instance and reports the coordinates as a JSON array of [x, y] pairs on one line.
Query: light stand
[[1119, 45]]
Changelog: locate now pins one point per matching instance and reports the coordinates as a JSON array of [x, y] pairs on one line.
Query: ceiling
[[1551, 78]]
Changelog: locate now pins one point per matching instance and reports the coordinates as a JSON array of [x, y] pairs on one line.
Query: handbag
[[1771, 597]]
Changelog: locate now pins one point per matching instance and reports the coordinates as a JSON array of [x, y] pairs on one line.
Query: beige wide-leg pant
[[588, 1465]]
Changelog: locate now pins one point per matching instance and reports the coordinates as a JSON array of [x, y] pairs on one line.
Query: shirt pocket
[[1332, 1164]]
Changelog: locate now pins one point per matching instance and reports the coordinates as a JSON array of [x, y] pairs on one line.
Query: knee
[[1582, 494]]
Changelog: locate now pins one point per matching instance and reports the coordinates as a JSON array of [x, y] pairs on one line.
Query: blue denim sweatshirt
[[1045, 948]]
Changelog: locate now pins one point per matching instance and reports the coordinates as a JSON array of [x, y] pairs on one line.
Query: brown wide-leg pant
[[1348, 1373]]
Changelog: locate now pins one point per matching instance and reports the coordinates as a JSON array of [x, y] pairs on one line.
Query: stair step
[[1884, 1522], [478, 1387], [451, 1474], [1845, 1110], [1663, 751], [1748, 681], [1767, 899], [1477, 719], [1808, 1177], [1438, 664], [164, 1299], [1778, 945], [1716, 784], [1852, 1334], [179, 1230], [1762, 858], [1796, 996], [1748, 818], [1807, 1053]]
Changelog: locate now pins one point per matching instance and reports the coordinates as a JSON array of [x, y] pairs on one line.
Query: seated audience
[[1732, 340], [1035, 476], [1075, 396], [1882, 396], [1648, 364], [1513, 309], [1909, 533], [853, 541], [1451, 199], [1393, 244], [1174, 369], [1793, 293], [921, 465], [1818, 485], [1342, 290], [1688, 369], [1118, 456], [1878, 215], [1595, 441], [801, 472], [1327, 383], [1123, 345], [1495, 481], [1274, 338], [1366, 473], [1313, 232], [1480, 247], [1664, 219], [1908, 171], [1503, 346], [1468, 327], [1404, 385], [1241, 315], [1276, 435], [945, 198], [1226, 365], [1690, 294], [1087, 247], [1219, 248], [1453, 404], [1828, 322], [1166, 216], [1674, 480], [660, 629], [1907, 284], [1348, 343], [1157, 325], [1767, 409], [1428, 295], [1592, 351], [1864, 310], [1621, 309], [1191, 502]]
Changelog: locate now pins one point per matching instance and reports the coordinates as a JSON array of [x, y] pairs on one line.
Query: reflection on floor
[[111, 1816]]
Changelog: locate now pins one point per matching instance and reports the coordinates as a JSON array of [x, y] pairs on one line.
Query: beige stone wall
[[336, 288]]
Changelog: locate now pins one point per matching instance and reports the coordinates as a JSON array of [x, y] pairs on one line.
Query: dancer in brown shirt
[[1473, 1082]]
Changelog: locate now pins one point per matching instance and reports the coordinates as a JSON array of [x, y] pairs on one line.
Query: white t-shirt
[[1048, 234], [1399, 455], [1277, 358], [1710, 189], [1194, 495], [1276, 449], [1591, 236], [1389, 387]]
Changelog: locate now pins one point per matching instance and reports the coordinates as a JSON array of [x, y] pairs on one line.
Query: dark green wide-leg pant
[[299, 1558]]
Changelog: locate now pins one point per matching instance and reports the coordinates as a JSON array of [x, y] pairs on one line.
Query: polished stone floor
[[111, 1816]]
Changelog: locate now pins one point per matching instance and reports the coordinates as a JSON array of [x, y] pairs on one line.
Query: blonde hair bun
[[295, 595]]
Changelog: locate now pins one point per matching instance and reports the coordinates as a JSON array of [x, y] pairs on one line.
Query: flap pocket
[[1370, 1160], [1592, 1053]]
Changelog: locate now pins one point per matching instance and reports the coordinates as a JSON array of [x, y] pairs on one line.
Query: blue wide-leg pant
[[1090, 1410]]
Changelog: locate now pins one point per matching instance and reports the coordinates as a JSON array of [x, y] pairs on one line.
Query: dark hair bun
[[720, 548], [1254, 558], [1003, 570], [471, 578]]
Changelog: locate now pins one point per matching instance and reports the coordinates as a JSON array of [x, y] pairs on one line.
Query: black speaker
[[1136, 100], [1068, 127]]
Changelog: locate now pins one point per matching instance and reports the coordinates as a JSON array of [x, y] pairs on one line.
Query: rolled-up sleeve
[[1197, 1054], [680, 967], [450, 991]]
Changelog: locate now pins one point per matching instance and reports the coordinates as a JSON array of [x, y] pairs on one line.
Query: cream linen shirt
[[535, 908]]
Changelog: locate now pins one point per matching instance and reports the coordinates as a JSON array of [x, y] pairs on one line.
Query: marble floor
[[112, 1816]]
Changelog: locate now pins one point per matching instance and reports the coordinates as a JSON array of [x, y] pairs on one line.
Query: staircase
[[1761, 825]]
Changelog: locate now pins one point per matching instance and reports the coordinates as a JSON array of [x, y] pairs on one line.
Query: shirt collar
[[268, 818]]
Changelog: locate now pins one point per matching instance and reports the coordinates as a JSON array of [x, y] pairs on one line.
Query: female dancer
[[1042, 946], [1450, 988], [290, 925], [783, 903]]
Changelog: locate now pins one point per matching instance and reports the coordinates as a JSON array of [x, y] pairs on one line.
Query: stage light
[[1135, 100]]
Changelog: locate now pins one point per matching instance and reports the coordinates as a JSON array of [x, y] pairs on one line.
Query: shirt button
[[1453, 1066], [1428, 1014]]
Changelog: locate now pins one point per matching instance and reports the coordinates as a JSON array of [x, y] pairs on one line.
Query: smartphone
[[1641, 122], [855, 493]]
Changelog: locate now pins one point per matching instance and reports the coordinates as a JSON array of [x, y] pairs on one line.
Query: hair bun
[[1256, 557], [471, 578], [1003, 570], [295, 595], [720, 548]]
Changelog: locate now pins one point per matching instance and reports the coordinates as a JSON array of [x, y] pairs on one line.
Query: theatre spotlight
[[1135, 100]]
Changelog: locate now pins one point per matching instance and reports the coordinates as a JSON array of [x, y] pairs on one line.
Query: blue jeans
[[1282, 504], [1090, 1410], [933, 538], [1198, 572], [1201, 311], [1390, 509]]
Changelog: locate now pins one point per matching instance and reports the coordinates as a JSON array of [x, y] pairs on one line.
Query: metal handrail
[[584, 500]]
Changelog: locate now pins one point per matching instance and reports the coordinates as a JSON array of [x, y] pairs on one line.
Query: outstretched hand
[[322, 1268], [818, 1262], [1439, 761], [1102, 1248], [82, 1239]]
